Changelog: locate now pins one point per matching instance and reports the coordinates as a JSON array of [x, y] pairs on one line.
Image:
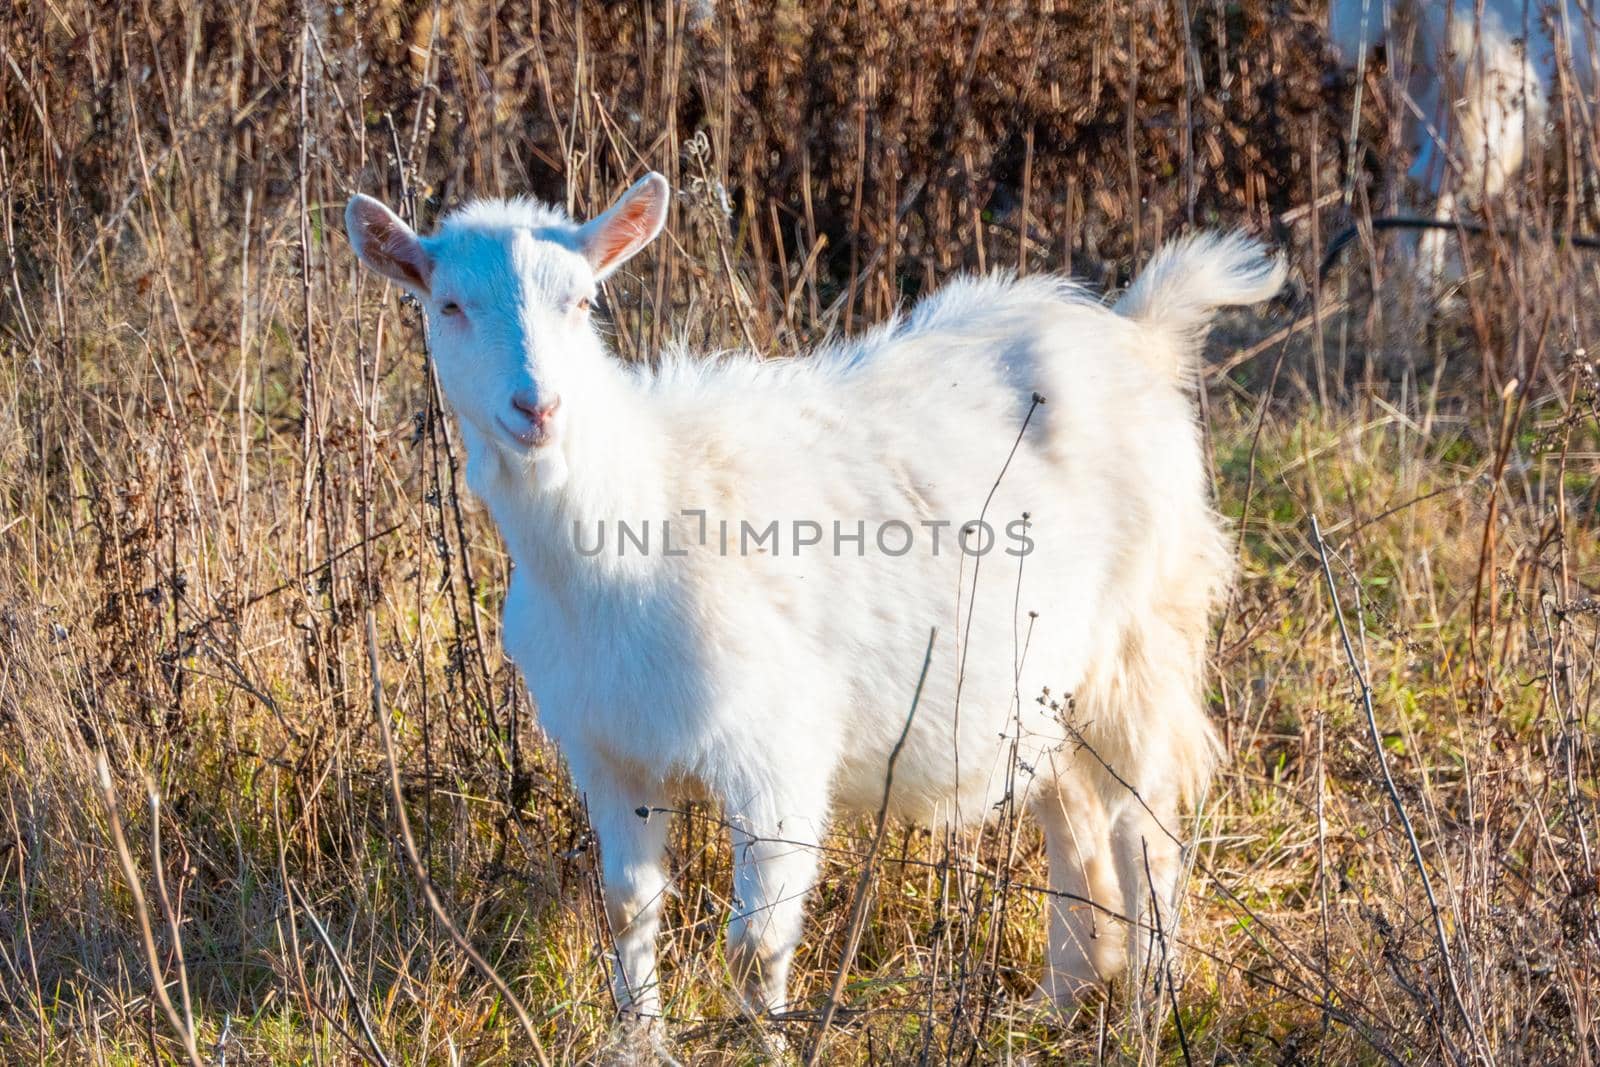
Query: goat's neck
[[612, 449]]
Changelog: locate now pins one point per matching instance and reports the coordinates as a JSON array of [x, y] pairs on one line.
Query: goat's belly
[[955, 773], [984, 728]]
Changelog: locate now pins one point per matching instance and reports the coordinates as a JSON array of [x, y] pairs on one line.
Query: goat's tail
[[1190, 278]]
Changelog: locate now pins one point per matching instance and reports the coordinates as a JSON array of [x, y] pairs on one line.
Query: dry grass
[[220, 456]]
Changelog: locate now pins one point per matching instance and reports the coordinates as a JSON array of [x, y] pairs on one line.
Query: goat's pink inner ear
[[632, 222], [387, 245]]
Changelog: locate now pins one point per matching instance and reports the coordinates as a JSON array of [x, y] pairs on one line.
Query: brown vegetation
[[221, 458]]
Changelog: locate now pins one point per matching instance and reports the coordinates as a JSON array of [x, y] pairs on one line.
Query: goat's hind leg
[[1149, 864], [1086, 940]]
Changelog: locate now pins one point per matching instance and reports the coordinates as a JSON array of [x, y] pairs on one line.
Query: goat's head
[[507, 288]]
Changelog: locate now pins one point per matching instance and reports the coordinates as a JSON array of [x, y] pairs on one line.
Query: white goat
[[776, 678], [1479, 88]]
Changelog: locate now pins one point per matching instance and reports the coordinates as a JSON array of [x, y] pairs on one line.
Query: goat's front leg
[[634, 874], [775, 856]]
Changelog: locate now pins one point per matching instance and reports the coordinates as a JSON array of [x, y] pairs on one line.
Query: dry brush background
[[222, 461]]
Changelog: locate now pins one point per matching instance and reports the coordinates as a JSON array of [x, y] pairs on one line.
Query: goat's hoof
[[638, 1023], [638, 1038], [1061, 1003]]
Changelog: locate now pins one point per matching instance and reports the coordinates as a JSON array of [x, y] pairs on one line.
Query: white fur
[[1479, 88], [777, 683]]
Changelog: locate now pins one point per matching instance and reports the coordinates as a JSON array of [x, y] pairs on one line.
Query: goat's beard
[[549, 469], [494, 466]]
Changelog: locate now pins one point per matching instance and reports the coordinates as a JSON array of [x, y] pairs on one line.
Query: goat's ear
[[609, 240], [386, 244]]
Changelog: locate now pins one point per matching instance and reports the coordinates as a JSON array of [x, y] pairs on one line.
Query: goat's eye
[[450, 307], [582, 303]]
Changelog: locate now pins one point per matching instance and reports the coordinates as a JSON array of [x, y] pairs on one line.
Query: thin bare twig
[[1441, 936], [141, 911], [858, 909], [344, 976], [167, 910], [421, 872], [1165, 975]]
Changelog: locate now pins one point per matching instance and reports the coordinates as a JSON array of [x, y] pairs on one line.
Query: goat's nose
[[537, 413]]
